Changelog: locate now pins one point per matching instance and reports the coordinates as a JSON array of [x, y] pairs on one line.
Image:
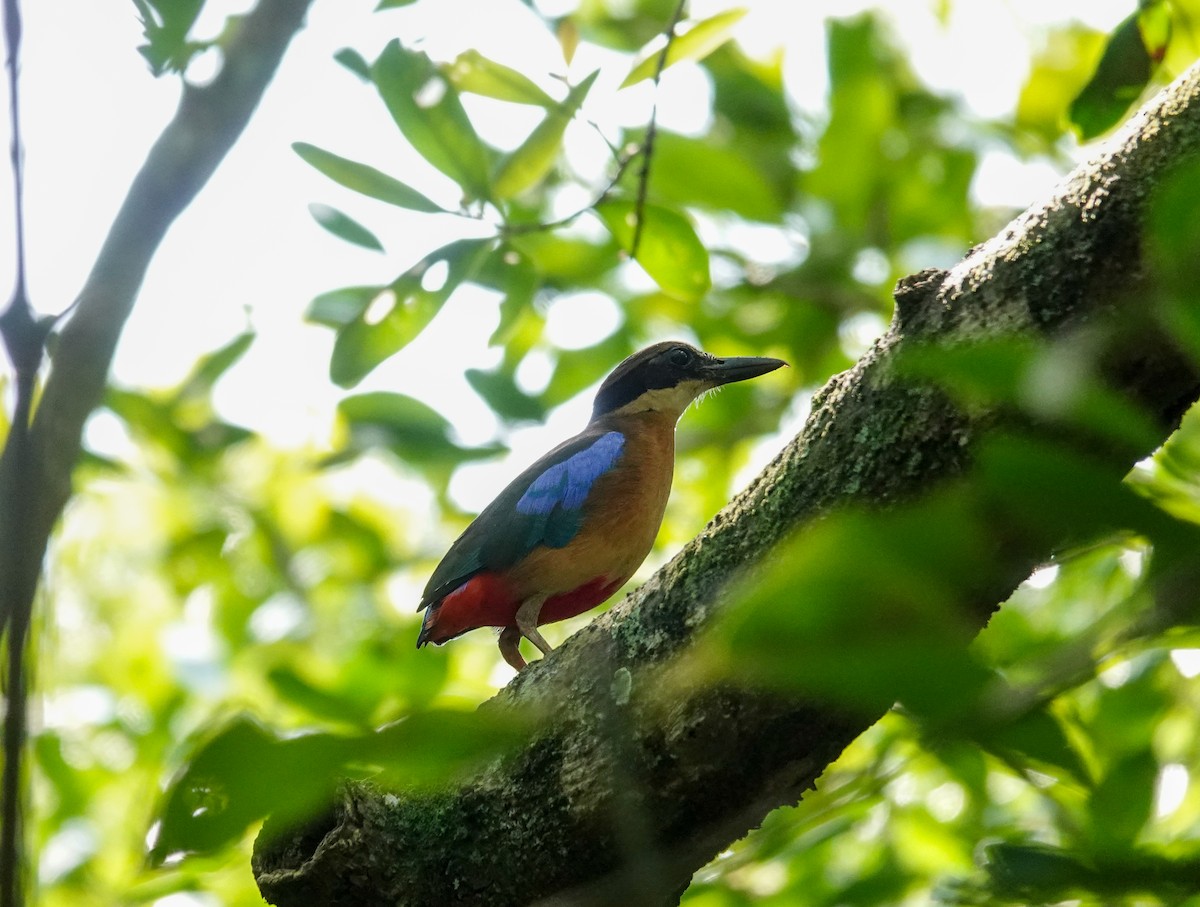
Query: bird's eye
[[679, 356]]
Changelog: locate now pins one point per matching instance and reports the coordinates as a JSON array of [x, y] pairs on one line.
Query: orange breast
[[621, 520]]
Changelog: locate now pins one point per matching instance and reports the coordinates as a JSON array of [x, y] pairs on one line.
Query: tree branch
[[39, 457], [625, 795], [207, 123], [205, 126]]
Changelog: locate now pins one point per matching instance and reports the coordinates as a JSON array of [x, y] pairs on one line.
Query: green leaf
[[354, 61], [501, 393], [577, 370], [566, 261], [344, 227], [393, 4], [1037, 735], [1173, 225], [365, 179], [1122, 802], [397, 313], [526, 166], [1061, 65], [323, 704], [429, 113], [823, 619], [229, 783], [212, 366], [695, 44], [150, 419], [404, 420], [473, 72], [519, 282], [1051, 382], [700, 171], [1056, 493], [166, 25], [245, 771], [668, 247], [1120, 77], [413, 431], [1022, 869], [338, 308]]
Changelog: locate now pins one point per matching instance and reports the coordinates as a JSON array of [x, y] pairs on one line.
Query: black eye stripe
[[660, 366]]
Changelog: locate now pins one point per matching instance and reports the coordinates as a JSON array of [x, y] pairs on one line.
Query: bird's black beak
[[739, 368]]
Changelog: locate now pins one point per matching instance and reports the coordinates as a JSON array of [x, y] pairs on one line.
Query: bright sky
[[248, 251]]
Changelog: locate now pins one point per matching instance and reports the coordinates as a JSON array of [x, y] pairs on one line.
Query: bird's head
[[668, 376]]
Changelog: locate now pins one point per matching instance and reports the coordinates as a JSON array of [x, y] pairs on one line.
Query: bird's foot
[[527, 624], [510, 647]]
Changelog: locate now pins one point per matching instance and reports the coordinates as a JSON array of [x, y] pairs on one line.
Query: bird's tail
[[427, 624]]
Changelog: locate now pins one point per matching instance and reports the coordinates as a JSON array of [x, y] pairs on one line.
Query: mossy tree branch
[[628, 791]]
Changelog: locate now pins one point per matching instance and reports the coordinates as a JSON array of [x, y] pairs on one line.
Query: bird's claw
[[526, 625], [510, 647]]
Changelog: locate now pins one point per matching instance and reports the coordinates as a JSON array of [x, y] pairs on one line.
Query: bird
[[571, 529]]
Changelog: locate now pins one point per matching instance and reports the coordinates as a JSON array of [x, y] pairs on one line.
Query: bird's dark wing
[[542, 506]]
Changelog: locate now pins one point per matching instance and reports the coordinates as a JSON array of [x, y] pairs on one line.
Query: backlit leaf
[[865, 631], [699, 171], [365, 179], [400, 311], [501, 393], [695, 44], [667, 248], [166, 25], [1120, 76], [472, 71], [412, 430], [526, 166], [1122, 802], [212, 366], [1025, 868], [426, 107], [338, 308], [344, 227], [355, 62], [1051, 382]]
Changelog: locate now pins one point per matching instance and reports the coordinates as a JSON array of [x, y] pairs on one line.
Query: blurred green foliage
[[206, 586]]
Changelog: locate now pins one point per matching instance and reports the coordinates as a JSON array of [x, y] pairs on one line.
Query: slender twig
[[517, 229], [12, 36], [23, 339], [644, 151], [652, 132]]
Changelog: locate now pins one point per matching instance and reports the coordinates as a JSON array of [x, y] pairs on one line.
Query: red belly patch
[[568, 604], [487, 600]]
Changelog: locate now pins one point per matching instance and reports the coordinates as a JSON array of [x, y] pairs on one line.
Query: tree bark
[[630, 789]]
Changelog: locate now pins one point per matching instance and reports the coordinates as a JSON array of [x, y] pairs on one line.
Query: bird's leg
[[527, 622], [510, 647]]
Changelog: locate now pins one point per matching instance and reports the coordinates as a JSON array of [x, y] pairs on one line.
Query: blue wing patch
[[567, 484], [548, 511], [555, 498], [553, 502]]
